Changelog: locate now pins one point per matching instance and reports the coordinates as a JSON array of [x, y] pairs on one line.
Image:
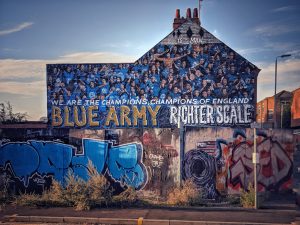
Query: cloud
[[287, 77], [94, 57], [17, 28], [249, 51], [23, 81], [272, 29], [283, 9]]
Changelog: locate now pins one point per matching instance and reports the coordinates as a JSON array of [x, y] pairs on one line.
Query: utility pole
[[275, 111], [181, 138], [255, 160]]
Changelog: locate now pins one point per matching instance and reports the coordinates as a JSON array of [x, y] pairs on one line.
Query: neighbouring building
[[287, 110]]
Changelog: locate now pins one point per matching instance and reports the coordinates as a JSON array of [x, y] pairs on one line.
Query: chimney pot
[[177, 14], [188, 13], [195, 13]]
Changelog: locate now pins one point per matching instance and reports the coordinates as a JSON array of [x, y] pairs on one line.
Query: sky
[[36, 32]]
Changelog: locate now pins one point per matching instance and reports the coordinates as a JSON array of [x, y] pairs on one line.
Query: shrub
[[76, 192], [98, 186], [126, 198], [248, 197], [188, 194], [25, 200], [4, 197]]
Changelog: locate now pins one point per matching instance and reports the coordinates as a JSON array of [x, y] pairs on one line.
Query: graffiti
[[156, 160], [274, 168], [201, 168], [35, 163], [124, 164], [232, 154]]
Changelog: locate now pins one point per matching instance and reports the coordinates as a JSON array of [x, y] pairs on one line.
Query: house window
[[270, 114]]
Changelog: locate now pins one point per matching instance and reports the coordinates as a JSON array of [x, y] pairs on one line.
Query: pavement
[[277, 209], [151, 216]]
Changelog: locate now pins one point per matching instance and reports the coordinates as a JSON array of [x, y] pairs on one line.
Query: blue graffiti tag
[[123, 163], [124, 167]]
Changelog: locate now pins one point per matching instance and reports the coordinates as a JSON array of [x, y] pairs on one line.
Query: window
[[270, 114]]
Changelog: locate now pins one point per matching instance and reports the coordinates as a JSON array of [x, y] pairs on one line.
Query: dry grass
[[80, 194], [186, 195], [248, 197]]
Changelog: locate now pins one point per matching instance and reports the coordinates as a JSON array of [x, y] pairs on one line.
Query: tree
[[8, 116]]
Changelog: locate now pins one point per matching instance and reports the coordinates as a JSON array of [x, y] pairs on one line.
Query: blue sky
[[35, 32]]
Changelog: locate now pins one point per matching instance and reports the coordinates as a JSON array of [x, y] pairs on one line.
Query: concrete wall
[[229, 153], [218, 160]]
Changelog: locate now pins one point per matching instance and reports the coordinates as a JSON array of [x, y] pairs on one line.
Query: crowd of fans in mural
[[166, 72]]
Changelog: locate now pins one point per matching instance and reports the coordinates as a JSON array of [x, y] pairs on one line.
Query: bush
[[188, 194], [128, 197], [248, 197], [27, 200], [80, 194], [76, 193], [4, 197], [98, 186]]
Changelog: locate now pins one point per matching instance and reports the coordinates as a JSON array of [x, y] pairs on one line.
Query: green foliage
[[248, 197], [186, 195]]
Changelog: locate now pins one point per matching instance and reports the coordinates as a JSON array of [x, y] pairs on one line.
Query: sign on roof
[[189, 77]]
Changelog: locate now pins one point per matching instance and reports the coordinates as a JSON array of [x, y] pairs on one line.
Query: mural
[[31, 165], [274, 168], [218, 160], [189, 77], [225, 164], [200, 167]]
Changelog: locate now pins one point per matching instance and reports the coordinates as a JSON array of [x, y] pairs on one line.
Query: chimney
[[177, 14], [188, 13], [177, 20], [195, 13], [195, 16]]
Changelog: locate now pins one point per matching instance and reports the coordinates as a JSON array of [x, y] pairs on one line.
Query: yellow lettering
[[153, 114], [83, 116], [92, 115], [112, 115], [67, 117], [56, 116], [125, 110], [139, 115]]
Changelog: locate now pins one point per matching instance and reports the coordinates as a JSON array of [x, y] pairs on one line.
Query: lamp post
[[280, 56]]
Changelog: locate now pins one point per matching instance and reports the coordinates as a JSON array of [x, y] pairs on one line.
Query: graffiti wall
[[160, 153], [221, 159], [139, 159], [218, 160], [189, 77]]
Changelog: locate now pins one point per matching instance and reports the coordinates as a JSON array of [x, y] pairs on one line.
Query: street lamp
[[281, 56]]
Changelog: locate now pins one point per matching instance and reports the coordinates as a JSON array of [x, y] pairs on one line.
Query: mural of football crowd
[[200, 72]]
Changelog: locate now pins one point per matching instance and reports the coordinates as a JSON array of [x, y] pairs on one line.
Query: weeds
[[248, 197], [128, 197], [77, 193], [186, 195]]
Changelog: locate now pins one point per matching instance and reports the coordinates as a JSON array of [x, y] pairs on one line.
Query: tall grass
[[186, 195], [80, 194]]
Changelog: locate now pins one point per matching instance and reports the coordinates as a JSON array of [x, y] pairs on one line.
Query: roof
[[25, 125]]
